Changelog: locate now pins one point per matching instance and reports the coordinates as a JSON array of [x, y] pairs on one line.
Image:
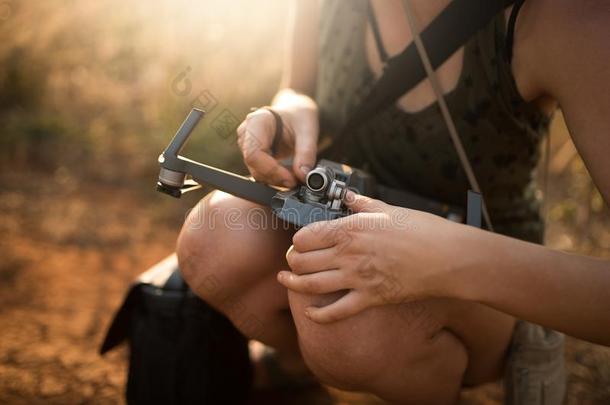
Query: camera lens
[[316, 180]]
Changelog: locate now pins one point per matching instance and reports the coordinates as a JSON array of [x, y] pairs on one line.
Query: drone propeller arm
[[184, 132], [175, 168]]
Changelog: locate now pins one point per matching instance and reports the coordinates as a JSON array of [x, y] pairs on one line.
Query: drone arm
[[183, 133], [175, 168]]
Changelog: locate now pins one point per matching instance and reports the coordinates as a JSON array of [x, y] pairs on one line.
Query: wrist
[[289, 98], [464, 262], [283, 96]]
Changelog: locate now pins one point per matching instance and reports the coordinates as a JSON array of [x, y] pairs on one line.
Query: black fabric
[[460, 20], [510, 33], [412, 150], [383, 54], [406, 199], [119, 328], [279, 130], [182, 351]]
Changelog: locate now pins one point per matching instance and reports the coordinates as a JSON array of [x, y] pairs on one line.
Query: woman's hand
[[380, 255], [299, 139]]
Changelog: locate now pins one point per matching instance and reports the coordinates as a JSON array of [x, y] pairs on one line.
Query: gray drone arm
[[175, 168]]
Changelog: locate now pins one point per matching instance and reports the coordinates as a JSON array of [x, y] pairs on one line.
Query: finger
[[255, 136], [305, 148], [321, 235], [256, 131], [311, 262], [263, 167], [323, 282], [348, 305], [361, 203]]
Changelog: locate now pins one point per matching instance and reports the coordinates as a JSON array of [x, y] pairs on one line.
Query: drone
[[320, 198]]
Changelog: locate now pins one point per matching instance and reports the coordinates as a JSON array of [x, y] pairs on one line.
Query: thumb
[[305, 151], [360, 203]]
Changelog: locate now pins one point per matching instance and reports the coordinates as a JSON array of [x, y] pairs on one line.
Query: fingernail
[[305, 169], [290, 249], [308, 313], [280, 276], [350, 196]]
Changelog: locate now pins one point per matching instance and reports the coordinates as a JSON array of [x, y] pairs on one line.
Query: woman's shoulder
[[555, 40]]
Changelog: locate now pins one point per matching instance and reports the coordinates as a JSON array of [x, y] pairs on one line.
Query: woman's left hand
[[381, 255]]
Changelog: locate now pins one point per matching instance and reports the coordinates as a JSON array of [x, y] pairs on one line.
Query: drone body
[[321, 198]]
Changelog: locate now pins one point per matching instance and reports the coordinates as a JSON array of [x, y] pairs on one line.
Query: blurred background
[[90, 93]]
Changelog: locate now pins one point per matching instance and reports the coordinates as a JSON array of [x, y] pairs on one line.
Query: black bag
[[182, 351]]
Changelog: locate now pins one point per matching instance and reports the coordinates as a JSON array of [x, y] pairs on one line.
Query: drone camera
[[318, 179]]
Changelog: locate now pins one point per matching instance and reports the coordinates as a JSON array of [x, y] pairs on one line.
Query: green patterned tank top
[[413, 151]]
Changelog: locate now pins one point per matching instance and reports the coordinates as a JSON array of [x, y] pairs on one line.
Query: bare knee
[[400, 356], [352, 352], [226, 246], [200, 248]]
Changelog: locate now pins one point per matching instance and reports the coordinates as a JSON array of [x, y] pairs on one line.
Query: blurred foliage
[[98, 88], [93, 91]]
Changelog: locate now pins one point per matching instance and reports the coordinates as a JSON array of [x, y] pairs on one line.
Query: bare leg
[[406, 353], [419, 352], [229, 258]]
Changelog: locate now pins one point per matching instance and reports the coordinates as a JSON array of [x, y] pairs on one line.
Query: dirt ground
[[67, 253]]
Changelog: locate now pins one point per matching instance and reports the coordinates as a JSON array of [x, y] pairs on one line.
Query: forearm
[[301, 55], [290, 97], [562, 291]]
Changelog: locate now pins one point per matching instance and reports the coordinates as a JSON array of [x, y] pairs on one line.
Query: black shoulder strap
[[383, 54], [510, 33], [456, 24]]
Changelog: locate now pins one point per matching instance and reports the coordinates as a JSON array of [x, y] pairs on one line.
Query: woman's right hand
[[299, 140]]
